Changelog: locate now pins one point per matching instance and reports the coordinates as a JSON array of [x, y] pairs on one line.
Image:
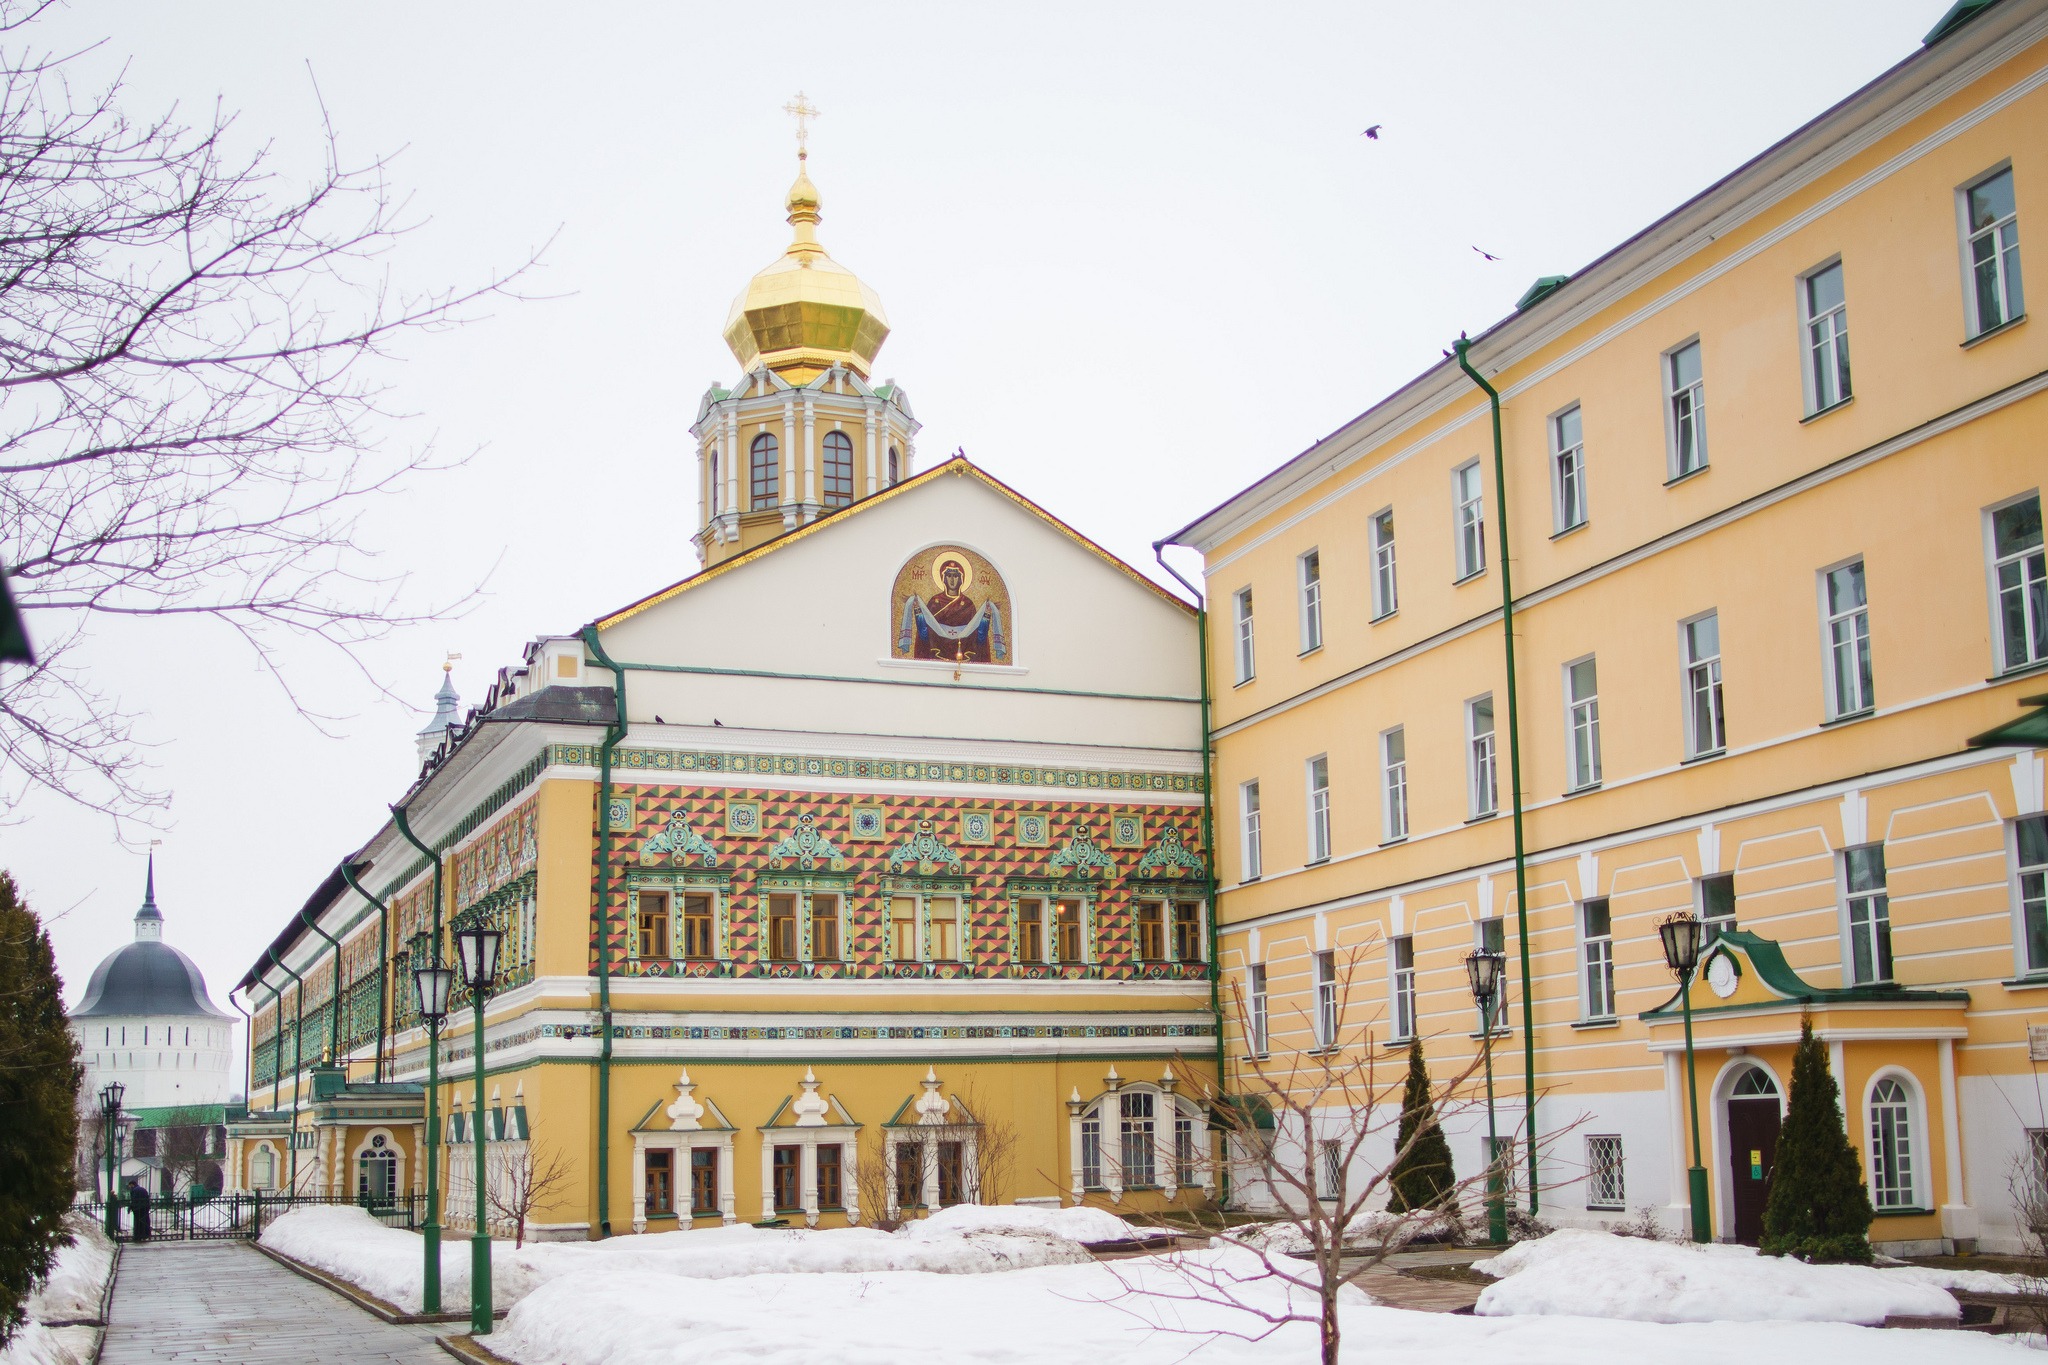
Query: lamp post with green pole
[[1683, 937], [111, 1095], [477, 947], [432, 983], [1484, 971]]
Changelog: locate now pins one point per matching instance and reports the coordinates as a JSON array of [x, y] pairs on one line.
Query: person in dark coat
[[138, 1210]]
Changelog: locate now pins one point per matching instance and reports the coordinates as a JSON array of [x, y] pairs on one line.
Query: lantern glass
[[1682, 935], [432, 985], [478, 946], [1482, 972], [111, 1095]]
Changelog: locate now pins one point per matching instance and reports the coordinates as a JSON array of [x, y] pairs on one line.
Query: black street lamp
[[477, 946], [1484, 970], [111, 1095], [431, 984], [1684, 935]]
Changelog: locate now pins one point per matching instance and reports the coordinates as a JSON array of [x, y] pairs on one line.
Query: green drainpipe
[[1507, 625], [430, 1231], [298, 1059], [614, 732], [334, 1002], [1208, 832], [348, 874]]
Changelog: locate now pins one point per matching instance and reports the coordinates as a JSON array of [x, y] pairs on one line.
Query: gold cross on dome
[[803, 111]]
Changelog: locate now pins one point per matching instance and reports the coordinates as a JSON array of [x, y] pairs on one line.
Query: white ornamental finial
[[1112, 1080], [685, 1115], [809, 1107], [931, 1105]]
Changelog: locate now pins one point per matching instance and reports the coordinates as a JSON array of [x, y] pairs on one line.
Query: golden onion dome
[[806, 312]]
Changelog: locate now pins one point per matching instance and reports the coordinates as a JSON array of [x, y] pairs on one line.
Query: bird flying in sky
[[1374, 132], [1487, 254]]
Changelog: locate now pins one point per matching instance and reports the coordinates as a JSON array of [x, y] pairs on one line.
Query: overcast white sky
[[1134, 257]]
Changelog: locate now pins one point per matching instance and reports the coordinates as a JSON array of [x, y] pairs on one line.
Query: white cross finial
[[803, 111]]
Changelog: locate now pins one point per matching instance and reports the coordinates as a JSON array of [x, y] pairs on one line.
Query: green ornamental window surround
[[509, 910], [677, 881], [927, 889], [805, 885], [1051, 890]]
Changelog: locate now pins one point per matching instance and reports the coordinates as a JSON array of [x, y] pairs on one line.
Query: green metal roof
[[2029, 731], [1776, 973], [1540, 290], [1960, 13]]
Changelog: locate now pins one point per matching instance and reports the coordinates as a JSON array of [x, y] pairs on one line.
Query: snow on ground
[[1077, 1223], [36, 1344], [78, 1281], [1368, 1229], [1055, 1315], [1584, 1273], [384, 1262]]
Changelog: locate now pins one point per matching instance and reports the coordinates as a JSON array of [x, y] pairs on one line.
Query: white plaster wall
[[164, 1072], [1996, 1113]]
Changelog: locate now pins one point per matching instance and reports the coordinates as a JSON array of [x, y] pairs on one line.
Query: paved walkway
[[222, 1303]]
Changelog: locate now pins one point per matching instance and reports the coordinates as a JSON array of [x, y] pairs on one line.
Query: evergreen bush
[[1421, 1177], [39, 1078], [1819, 1209]]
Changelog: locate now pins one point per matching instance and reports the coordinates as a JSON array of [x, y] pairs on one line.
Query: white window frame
[[1694, 394], [1568, 473], [1703, 670], [1581, 717], [1393, 785], [1308, 575], [1251, 850], [1245, 645], [1993, 563], [1317, 773], [2007, 265], [2029, 887], [1260, 1021], [1596, 962], [1401, 988], [1819, 399], [1716, 925], [1468, 521], [1849, 928], [1327, 1022], [1917, 1147], [1855, 621], [1604, 1155], [1386, 583], [1482, 771]]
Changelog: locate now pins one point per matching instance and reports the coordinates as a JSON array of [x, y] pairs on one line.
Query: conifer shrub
[[1421, 1178], [39, 1078], [1819, 1209]]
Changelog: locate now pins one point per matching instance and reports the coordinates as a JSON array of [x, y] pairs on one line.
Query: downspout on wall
[[614, 733], [386, 985], [298, 1059], [1507, 626], [334, 996]]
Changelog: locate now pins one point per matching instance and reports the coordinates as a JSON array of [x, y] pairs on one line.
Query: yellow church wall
[[566, 829]]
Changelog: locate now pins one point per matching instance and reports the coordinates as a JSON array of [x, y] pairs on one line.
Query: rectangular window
[[1068, 922], [1825, 306], [1686, 392], [1401, 962], [909, 1175], [1482, 788], [698, 927], [1991, 224], [1136, 1134], [1490, 936], [2030, 848], [2019, 584], [1604, 1187], [1568, 469], [903, 928], [1245, 657], [1326, 1000], [1258, 1010], [1469, 503], [1091, 1149], [1394, 783], [1151, 930], [1582, 722], [1187, 931], [1331, 1177], [703, 1180], [782, 928], [1717, 905], [1706, 730], [661, 1174], [1031, 930], [830, 1177], [1309, 571], [1251, 853], [1870, 916], [1847, 663], [1596, 950], [1319, 809], [824, 927], [653, 925], [945, 927], [788, 1177], [1187, 1154], [952, 1174], [1386, 598]]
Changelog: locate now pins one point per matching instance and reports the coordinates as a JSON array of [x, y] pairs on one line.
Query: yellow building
[[1763, 600], [860, 872]]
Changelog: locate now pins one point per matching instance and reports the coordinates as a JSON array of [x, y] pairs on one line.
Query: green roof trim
[[1771, 968], [162, 1115], [1960, 13], [1542, 289], [2030, 731]]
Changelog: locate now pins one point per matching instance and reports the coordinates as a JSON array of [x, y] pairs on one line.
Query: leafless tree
[[872, 1173], [1314, 1132], [187, 1149], [525, 1178], [995, 1148], [187, 347]]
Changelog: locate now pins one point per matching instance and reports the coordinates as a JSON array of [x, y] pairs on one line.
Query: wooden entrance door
[[1753, 1119]]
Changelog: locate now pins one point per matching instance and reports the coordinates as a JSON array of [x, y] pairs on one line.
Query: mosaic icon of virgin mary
[[948, 625]]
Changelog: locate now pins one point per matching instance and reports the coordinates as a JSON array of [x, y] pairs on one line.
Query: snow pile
[[1366, 1230], [384, 1262], [78, 1282], [35, 1344], [1077, 1224], [1584, 1273]]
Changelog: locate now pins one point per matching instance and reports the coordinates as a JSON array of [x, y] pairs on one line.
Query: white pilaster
[[874, 457], [789, 488], [810, 458], [1958, 1219]]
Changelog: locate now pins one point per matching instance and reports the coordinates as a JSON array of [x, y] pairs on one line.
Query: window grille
[[1604, 1186]]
